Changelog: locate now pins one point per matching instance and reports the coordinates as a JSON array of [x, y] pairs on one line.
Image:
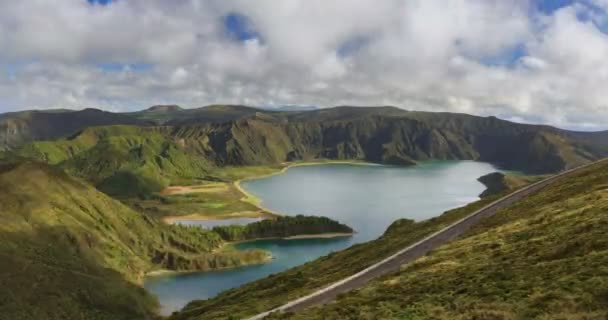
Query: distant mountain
[[135, 160], [18, 128], [288, 108], [212, 114], [388, 135], [164, 108], [175, 115]]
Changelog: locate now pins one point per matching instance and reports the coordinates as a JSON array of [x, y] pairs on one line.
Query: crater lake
[[368, 198]]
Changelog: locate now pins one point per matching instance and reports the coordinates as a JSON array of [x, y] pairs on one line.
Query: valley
[[166, 172], [303, 160], [549, 239], [339, 191]]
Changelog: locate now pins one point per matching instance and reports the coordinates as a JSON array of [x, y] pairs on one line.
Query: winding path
[[415, 250]]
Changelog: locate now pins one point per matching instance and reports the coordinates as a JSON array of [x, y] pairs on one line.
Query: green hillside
[[18, 128], [174, 115], [544, 257], [273, 291], [87, 253], [498, 182], [123, 161], [385, 135], [239, 135], [70, 252]]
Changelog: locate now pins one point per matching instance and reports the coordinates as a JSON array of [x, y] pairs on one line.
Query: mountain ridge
[[147, 158]]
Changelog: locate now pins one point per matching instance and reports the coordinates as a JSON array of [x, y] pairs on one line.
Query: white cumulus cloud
[[485, 57]]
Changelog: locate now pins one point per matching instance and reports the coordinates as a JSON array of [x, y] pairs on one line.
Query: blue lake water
[[366, 197]]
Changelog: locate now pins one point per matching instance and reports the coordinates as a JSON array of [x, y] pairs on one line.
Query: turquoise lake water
[[366, 197]]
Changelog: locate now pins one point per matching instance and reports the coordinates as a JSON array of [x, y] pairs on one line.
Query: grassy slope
[[239, 135], [136, 163], [170, 114], [218, 197], [70, 252], [262, 295], [498, 182], [122, 161], [212, 200], [19, 128], [384, 135], [130, 161], [543, 258]]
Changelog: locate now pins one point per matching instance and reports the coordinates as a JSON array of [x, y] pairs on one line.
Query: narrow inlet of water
[[367, 198]]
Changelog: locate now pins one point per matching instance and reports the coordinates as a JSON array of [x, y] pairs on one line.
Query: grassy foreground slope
[[545, 257], [273, 291], [67, 251]]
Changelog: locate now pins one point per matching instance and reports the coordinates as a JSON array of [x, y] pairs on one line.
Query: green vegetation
[[122, 161], [71, 252], [544, 257], [232, 173], [282, 227], [173, 115], [215, 200], [18, 128], [270, 292], [498, 182], [220, 136]]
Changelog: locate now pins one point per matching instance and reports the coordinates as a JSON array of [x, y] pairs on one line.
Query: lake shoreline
[[163, 272], [262, 212], [330, 235], [252, 199], [235, 215], [408, 189]]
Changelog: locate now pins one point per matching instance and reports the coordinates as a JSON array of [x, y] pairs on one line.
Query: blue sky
[[102, 2], [239, 27], [549, 6]]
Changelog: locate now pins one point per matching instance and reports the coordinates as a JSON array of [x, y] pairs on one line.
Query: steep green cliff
[[122, 161], [69, 251], [238, 135], [18, 128]]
